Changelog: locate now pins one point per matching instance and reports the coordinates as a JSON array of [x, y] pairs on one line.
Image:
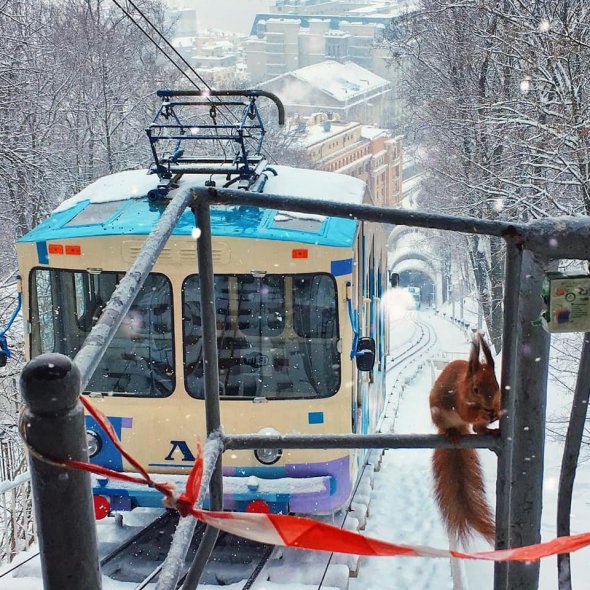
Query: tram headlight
[[268, 456], [94, 443]]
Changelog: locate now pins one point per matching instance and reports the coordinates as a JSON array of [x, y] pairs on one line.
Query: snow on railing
[[17, 527]]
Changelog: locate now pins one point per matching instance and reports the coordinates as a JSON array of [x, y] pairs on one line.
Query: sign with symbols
[[567, 297]]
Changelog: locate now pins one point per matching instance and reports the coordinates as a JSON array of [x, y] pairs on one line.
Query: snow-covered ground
[[402, 508]]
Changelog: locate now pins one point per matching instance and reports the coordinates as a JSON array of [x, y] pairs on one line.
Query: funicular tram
[[298, 297]]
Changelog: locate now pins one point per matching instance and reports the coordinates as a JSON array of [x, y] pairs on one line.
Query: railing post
[[529, 400], [53, 425], [569, 464], [510, 336], [211, 374]]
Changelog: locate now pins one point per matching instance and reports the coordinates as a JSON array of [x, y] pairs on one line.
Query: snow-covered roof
[[340, 80], [296, 182], [317, 133], [316, 184], [130, 184], [370, 132], [385, 9]]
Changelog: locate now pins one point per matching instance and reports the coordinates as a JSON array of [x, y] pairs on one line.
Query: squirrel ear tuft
[[474, 354], [487, 352]]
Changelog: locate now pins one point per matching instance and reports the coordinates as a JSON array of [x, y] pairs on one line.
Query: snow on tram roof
[[295, 182], [130, 184], [316, 184], [118, 205]]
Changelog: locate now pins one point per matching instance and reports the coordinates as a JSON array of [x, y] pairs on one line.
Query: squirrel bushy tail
[[460, 493]]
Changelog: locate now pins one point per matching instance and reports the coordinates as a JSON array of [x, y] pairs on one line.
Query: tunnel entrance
[[422, 281]]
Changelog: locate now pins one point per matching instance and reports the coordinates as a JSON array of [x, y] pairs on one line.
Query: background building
[[363, 151], [300, 33], [345, 89], [317, 6], [278, 45]]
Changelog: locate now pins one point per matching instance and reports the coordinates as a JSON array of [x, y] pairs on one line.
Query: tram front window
[[277, 336], [139, 360]]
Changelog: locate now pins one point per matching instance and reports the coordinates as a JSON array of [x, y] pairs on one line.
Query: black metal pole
[[209, 319], [211, 376], [528, 443], [569, 464], [373, 213], [357, 441], [53, 425], [508, 383]]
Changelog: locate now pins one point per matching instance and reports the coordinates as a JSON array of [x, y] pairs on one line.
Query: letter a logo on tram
[[183, 448]]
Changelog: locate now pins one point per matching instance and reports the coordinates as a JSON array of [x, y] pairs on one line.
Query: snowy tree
[[30, 96], [78, 85], [496, 96], [116, 71]]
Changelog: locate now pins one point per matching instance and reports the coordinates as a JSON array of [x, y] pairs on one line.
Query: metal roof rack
[[187, 136]]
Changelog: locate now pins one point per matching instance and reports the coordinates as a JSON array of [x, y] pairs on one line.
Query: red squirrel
[[466, 394]]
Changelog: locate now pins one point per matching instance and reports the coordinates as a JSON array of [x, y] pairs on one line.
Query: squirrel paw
[[482, 429]]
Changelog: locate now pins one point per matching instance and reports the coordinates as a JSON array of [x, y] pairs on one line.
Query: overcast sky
[[230, 15]]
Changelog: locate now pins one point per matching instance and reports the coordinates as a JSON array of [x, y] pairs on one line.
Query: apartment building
[[363, 151], [347, 90]]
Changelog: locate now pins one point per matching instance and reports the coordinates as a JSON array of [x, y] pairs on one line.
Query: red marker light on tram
[[258, 507], [55, 249], [102, 507], [300, 253], [73, 250]]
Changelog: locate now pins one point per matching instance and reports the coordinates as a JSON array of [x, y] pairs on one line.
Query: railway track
[[240, 561], [406, 363], [139, 559], [423, 338]]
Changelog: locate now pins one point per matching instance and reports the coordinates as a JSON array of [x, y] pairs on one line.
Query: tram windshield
[[277, 336], [140, 358]]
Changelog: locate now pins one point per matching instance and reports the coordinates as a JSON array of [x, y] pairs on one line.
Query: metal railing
[[17, 526], [530, 250]]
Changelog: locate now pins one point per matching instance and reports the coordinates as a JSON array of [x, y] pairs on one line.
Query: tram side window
[[262, 353], [140, 359]]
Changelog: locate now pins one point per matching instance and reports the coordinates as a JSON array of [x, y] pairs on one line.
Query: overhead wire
[[166, 55], [156, 44], [163, 37], [183, 60]]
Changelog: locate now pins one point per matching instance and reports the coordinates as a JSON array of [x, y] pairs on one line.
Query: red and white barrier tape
[[295, 531]]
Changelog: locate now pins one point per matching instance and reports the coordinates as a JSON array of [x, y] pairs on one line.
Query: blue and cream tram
[[293, 294]]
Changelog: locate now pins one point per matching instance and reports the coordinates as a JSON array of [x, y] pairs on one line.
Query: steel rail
[[403, 365], [158, 523], [372, 213], [414, 349], [358, 441]]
